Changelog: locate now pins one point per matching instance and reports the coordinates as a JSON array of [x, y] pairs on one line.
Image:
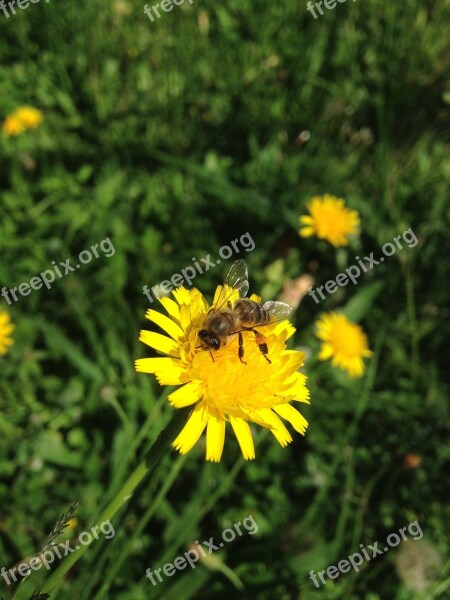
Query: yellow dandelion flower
[[344, 342], [330, 220], [31, 117], [25, 117], [12, 126], [218, 386], [6, 328]]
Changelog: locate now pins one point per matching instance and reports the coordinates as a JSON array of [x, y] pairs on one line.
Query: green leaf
[[361, 303]]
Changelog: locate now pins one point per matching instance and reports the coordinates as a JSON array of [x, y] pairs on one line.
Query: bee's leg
[[261, 341], [241, 348], [197, 347]]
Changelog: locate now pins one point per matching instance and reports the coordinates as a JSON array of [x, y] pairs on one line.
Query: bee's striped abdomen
[[249, 311]]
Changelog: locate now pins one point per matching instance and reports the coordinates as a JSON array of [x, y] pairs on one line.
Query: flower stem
[[149, 461]]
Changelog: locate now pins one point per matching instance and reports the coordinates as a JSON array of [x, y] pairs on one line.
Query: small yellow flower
[[30, 117], [6, 328], [344, 342], [329, 220], [23, 118], [12, 126], [72, 524], [224, 390]]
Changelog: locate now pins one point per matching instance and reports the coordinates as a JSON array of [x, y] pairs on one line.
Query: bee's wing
[[237, 280], [277, 310], [237, 277]]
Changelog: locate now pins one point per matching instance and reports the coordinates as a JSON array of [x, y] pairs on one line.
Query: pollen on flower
[[330, 220], [222, 391]]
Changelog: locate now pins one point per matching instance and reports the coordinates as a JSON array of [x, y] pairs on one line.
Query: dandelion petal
[[167, 370], [289, 413], [244, 437], [215, 437], [191, 431], [186, 395], [159, 342], [269, 419], [165, 323]]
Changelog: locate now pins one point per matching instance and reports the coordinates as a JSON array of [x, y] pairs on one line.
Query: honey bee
[[226, 319]]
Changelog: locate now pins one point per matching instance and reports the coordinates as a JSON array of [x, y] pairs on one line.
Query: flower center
[[347, 340]]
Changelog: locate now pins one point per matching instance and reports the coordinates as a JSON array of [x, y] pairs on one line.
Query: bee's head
[[208, 339]]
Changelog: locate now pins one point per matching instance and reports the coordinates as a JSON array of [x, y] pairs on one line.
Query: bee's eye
[[202, 334]]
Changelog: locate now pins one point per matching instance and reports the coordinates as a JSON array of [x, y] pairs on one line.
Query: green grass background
[[173, 138]]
